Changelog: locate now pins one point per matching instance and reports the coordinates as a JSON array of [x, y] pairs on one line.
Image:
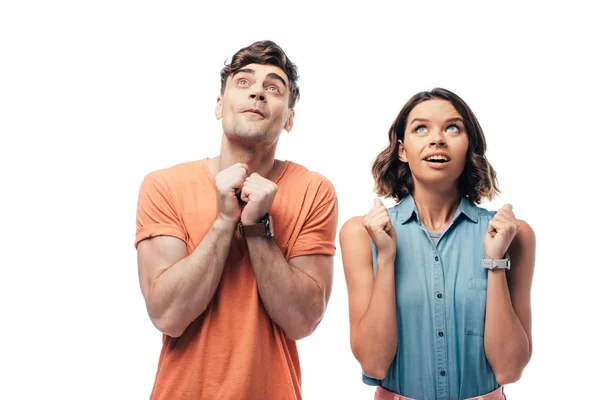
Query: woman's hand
[[502, 229], [380, 229]]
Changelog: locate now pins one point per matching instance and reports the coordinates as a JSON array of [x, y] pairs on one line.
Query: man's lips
[[253, 111]]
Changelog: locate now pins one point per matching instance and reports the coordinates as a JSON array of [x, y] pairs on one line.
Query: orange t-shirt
[[233, 350]]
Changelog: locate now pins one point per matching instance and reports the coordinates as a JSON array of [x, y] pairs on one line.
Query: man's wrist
[[252, 221], [224, 223]]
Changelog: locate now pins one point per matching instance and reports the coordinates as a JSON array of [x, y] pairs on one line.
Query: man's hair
[[393, 177], [265, 53]]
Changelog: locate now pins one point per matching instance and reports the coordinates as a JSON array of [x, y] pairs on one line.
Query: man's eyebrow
[[245, 70], [278, 77]]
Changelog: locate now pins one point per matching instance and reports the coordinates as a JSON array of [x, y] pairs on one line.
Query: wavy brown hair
[[393, 177], [264, 52]]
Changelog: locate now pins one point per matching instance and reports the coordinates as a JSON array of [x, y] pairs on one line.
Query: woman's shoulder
[[353, 227], [483, 212]]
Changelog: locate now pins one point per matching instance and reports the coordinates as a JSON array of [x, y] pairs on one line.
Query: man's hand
[[228, 183], [502, 229], [377, 222], [258, 193]]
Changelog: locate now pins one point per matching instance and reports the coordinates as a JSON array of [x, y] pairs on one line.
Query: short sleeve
[[317, 235], [156, 214]]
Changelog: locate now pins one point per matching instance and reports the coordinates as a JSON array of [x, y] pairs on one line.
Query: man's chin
[[247, 136]]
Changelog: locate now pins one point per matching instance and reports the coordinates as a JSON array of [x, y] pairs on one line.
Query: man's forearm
[[292, 298], [505, 341], [182, 292]]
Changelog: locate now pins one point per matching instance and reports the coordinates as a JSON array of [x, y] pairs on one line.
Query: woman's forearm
[[376, 339]]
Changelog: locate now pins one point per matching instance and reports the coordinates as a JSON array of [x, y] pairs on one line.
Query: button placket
[[440, 325]]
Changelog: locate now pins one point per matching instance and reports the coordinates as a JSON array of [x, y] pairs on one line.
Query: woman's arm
[[507, 336], [372, 299]]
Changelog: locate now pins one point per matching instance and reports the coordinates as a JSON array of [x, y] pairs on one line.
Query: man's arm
[[176, 288], [295, 294]]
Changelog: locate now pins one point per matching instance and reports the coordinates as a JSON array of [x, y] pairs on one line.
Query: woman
[[429, 319]]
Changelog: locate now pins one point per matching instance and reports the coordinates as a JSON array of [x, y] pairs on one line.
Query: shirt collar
[[469, 209], [407, 208]]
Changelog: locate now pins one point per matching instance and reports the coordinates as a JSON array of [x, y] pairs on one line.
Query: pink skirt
[[382, 394]]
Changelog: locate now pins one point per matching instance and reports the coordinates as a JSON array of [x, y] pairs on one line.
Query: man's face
[[254, 106]]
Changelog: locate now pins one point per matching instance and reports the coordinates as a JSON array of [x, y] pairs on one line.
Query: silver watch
[[496, 264]]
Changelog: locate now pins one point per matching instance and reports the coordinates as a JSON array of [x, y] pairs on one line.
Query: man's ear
[[290, 121], [402, 152], [219, 108]]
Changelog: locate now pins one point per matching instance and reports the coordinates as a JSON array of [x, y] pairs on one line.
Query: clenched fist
[[502, 229], [258, 194], [228, 183], [378, 224]]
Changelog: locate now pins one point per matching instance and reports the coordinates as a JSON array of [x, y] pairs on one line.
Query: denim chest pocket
[[475, 306]]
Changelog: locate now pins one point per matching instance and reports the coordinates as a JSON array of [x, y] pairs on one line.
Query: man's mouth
[[254, 111]]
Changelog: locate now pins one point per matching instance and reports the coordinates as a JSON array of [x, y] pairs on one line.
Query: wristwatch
[[496, 264], [264, 228]]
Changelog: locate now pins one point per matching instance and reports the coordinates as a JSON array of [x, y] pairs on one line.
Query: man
[[235, 253]]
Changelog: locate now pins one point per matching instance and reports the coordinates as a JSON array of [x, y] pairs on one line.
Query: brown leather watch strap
[[252, 230]]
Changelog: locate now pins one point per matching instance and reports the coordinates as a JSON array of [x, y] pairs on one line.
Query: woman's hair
[[393, 177], [265, 53]]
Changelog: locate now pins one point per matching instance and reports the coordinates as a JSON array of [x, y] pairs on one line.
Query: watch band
[[496, 264], [263, 229], [252, 230]]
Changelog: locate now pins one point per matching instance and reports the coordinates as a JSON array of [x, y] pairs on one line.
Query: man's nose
[[258, 94]]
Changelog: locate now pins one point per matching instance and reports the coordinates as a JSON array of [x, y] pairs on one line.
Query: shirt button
[[439, 295], [441, 334], [437, 258], [443, 373]]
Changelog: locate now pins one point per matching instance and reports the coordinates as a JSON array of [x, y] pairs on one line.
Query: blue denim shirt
[[440, 307]]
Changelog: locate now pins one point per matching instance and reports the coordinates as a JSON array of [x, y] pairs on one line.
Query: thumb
[[377, 202], [491, 230]]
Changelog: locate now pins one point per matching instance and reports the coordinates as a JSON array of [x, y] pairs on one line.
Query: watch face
[[268, 221]]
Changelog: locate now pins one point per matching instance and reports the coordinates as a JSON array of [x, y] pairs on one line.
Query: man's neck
[[260, 159]]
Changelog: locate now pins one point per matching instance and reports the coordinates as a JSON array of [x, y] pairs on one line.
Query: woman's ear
[[402, 152]]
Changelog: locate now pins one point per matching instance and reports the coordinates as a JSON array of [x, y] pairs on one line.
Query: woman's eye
[[452, 129], [421, 129]]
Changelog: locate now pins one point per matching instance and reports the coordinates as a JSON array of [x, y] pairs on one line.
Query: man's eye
[[272, 89], [242, 82]]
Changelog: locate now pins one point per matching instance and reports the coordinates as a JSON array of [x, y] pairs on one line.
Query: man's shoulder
[[298, 175], [178, 173]]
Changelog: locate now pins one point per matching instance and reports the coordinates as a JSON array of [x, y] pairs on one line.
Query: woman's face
[[435, 143]]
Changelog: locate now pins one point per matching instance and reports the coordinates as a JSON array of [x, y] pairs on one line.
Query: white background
[[94, 95]]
